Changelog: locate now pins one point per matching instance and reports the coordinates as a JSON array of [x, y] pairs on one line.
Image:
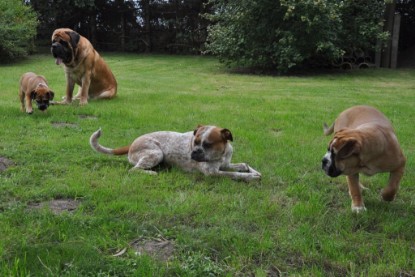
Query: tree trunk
[[389, 17], [395, 40], [122, 32], [93, 29], [147, 25]]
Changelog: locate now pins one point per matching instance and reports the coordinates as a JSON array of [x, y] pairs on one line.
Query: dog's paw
[[358, 209], [253, 171], [63, 102], [83, 102], [141, 170], [388, 195], [252, 176]]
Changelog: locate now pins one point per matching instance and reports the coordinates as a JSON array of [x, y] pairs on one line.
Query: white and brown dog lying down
[[364, 142], [206, 149]]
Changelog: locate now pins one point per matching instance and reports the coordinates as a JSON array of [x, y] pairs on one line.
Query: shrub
[[17, 28]]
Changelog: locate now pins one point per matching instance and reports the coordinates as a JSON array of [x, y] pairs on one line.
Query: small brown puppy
[[83, 66], [34, 87], [364, 142]]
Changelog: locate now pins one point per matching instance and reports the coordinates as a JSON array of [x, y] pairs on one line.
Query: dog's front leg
[[355, 191], [240, 167], [28, 104], [86, 82], [244, 176], [70, 85], [388, 193]]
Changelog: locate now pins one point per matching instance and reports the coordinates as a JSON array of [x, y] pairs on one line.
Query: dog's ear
[[51, 95], [348, 147], [75, 37], [226, 134], [197, 128], [32, 94]]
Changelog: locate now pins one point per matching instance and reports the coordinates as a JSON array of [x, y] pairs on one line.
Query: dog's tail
[[93, 141], [328, 130]]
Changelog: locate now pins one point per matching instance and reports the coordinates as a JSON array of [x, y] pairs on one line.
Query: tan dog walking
[[364, 142]]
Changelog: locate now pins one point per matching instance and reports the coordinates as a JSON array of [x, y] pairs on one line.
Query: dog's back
[[358, 116]]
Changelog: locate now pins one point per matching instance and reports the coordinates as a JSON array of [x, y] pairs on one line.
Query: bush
[[17, 28], [287, 33]]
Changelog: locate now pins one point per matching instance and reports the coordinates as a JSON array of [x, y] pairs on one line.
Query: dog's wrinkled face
[[42, 95], [342, 155], [209, 143], [64, 43]]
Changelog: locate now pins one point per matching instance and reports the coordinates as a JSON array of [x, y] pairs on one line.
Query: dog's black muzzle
[[198, 155], [61, 52], [329, 167], [42, 105], [57, 50]]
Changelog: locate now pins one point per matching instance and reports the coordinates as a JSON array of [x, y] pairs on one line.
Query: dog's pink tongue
[[58, 61]]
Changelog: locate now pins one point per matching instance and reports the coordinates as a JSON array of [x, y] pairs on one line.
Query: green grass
[[295, 221]]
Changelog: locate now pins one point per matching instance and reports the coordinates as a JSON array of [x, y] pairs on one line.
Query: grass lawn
[[66, 210]]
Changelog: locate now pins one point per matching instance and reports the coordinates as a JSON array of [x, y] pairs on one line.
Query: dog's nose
[[197, 155], [43, 107], [324, 162]]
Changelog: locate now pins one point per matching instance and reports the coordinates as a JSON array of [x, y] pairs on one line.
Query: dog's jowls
[[206, 149], [364, 142]]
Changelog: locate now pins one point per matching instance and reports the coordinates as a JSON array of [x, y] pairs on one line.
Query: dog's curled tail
[[328, 130], [93, 141]]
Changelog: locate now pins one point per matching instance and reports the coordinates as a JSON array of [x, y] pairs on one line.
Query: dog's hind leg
[[388, 193], [145, 160], [22, 100], [107, 94]]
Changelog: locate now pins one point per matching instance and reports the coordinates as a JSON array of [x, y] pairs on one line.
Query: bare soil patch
[[64, 124], [57, 206], [87, 116], [5, 163], [161, 250]]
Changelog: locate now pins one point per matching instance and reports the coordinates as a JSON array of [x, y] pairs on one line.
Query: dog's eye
[[207, 145], [64, 43]]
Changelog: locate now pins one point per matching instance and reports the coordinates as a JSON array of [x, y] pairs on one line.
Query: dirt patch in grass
[[64, 124], [161, 250], [5, 163], [87, 116], [276, 131], [57, 206]]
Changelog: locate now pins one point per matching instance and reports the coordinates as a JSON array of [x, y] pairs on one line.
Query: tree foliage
[[17, 29], [173, 26], [282, 34]]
